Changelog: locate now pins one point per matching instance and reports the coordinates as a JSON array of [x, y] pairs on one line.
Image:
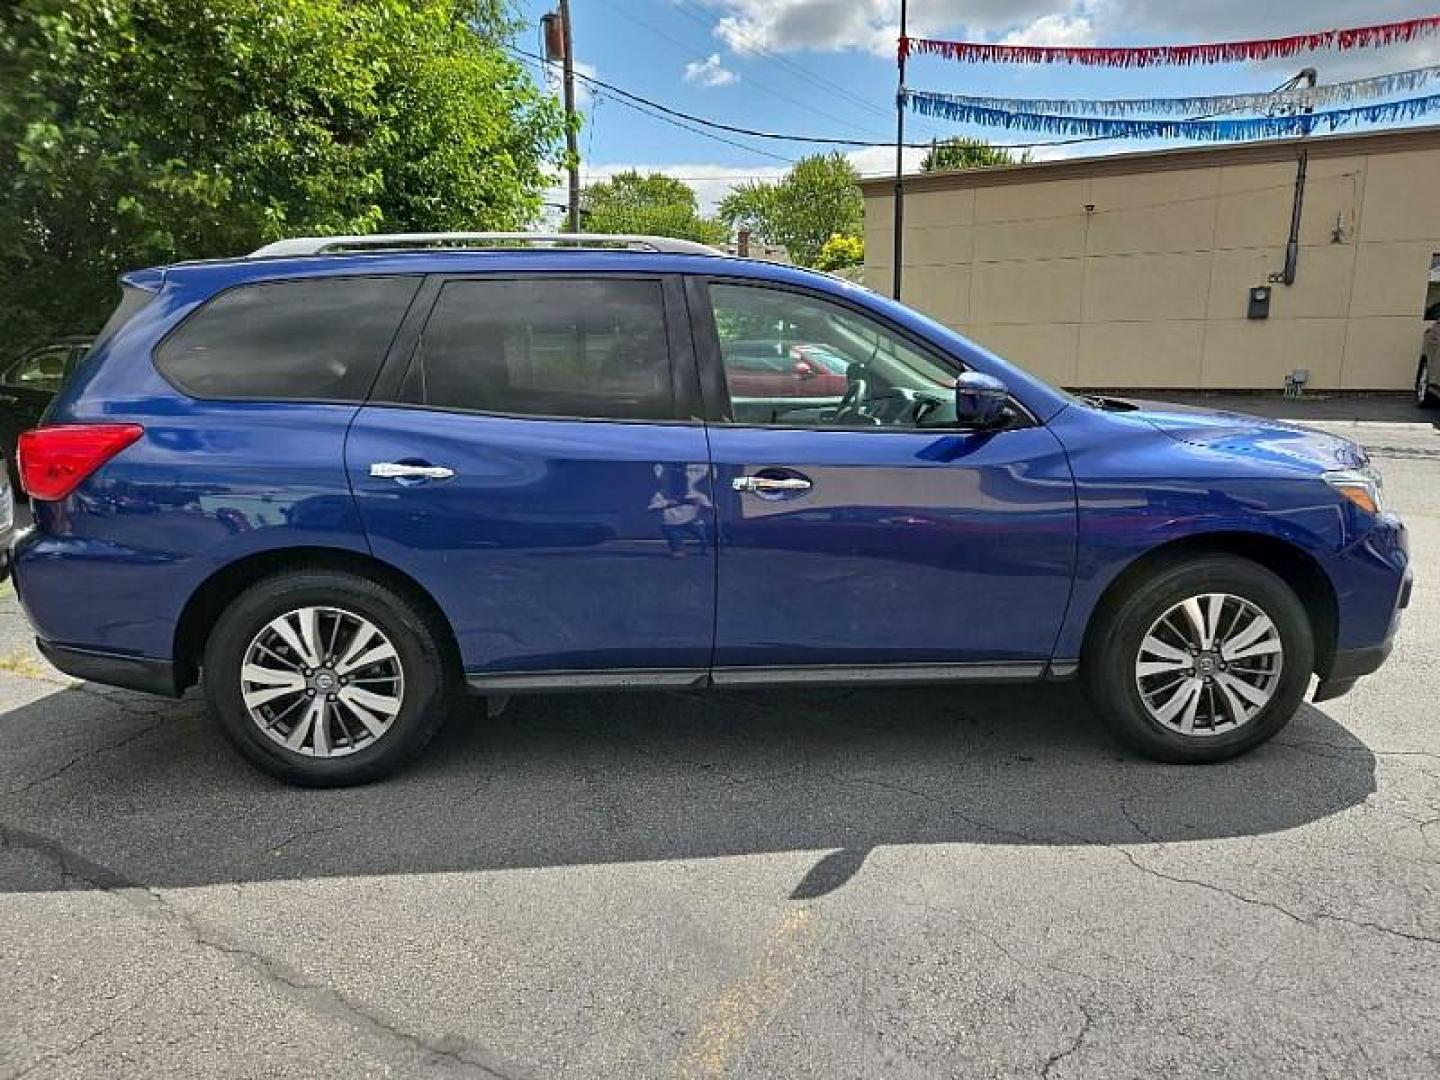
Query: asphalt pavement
[[900, 883]]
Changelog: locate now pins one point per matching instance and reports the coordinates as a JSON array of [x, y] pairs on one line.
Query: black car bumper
[[1348, 667], [130, 672]]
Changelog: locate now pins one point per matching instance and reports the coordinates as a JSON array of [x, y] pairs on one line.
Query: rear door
[[870, 539], [539, 467]]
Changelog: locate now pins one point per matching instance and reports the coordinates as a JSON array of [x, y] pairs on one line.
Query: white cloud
[[710, 72], [875, 161], [868, 25], [1066, 29], [748, 26]]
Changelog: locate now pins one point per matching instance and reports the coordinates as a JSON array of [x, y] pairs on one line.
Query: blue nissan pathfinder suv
[[343, 480]]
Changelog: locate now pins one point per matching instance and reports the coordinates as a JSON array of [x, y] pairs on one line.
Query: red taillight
[[55, 460]]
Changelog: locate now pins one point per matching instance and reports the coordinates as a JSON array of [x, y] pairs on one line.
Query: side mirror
[[803, 370], [980, 400]]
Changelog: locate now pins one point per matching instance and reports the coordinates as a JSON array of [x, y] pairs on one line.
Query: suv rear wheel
[[1201, 661], [324, 678]]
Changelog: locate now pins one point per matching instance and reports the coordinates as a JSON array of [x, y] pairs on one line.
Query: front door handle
[[756, 485], [399, 470]]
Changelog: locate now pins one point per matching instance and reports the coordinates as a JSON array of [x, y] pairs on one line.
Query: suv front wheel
[[324, 678], [1201, 661]]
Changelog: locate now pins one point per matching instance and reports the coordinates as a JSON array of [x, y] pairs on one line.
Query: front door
[[536, 474], [861, 535]]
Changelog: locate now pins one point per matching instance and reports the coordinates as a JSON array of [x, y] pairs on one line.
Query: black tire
[[429, 686], [1113, 649], [1424, 381]]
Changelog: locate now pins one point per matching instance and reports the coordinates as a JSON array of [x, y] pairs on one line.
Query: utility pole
[[900, 156], [571, 149]]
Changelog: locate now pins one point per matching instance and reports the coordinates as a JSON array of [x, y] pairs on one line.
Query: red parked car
[[774, 369]]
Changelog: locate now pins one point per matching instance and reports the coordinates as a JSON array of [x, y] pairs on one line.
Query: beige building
[[1137, 270]]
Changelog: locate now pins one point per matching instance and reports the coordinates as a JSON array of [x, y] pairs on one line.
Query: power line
[[590, 80], [674, 116], [615, 95], [751, 45], [749, 79]]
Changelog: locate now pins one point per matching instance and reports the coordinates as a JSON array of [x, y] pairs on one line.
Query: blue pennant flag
[[1261, 127]]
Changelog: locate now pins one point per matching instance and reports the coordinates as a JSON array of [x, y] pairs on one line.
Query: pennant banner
[[1218, 52], [1292, 100], [1263, 127]]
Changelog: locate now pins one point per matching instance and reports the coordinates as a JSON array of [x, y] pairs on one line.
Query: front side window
[[43, 369], [592, 349], [321, 339], [795, 360]]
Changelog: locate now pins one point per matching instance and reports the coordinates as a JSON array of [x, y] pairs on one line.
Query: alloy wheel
[[1209, 665], [322, 682], [1422, 383]]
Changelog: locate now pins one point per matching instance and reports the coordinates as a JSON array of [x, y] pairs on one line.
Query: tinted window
[[547, 348], [321, 339]]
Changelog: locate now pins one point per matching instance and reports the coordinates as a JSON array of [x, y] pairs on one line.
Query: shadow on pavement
[[101, 791]]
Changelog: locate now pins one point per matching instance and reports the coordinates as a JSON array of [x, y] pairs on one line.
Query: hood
[[1276, 441]]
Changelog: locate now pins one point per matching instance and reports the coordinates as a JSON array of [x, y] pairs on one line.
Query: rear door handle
[[758, 484], [399, 470]]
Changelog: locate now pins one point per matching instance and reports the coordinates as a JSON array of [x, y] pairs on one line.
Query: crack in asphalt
[[1341, 750], [65, 1053], [319, 996], [85, 755], [1309, 921], [1073, 1046]]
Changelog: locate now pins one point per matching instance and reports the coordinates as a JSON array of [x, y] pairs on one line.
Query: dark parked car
[[1427, 377], [7, 521], [29, 383], [347, 479]]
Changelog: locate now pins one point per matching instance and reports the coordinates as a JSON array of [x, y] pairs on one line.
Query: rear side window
[[573, 348], [320, 339]]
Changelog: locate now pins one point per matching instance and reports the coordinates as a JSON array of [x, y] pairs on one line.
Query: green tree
[[963, 153], [135, 132], [653, 204], [817, 198], [840, 251]]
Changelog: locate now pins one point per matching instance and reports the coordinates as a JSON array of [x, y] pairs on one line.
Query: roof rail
[[323, 245]]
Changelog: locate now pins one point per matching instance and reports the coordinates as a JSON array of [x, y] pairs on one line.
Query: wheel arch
[[1289, 562], [217, 591]]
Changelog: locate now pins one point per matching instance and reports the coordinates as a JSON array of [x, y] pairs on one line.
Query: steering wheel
[[851, 405]]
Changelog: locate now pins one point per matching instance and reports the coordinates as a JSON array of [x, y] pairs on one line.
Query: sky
[[827, 68]]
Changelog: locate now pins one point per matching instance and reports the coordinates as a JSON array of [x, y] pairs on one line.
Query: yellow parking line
[[731, 1021]]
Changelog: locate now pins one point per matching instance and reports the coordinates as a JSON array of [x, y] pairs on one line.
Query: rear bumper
[[130, 672]]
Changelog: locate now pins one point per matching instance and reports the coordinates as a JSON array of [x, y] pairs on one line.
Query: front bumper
[[1350, 665]]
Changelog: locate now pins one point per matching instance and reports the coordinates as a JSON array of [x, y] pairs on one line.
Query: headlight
[[1360, 486]]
